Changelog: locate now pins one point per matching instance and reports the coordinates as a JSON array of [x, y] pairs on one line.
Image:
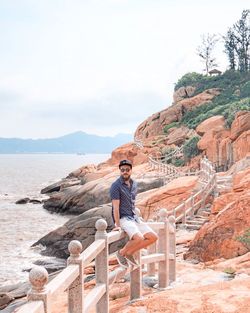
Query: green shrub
[[178, 162], [189, 79], [245, 239], [171, 125], [190, 148], [245, 90]]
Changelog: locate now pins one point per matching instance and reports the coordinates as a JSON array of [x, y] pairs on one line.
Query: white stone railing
[[162, 167], [138, 143], [196, 201], [71, 279]]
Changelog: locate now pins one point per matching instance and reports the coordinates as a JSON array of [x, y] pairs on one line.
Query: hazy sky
[[100, 66]]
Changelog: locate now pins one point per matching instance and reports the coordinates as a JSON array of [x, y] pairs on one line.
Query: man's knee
[[152, 237], [137, 238]]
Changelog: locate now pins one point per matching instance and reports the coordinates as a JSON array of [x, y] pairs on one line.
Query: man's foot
[[122, 260], [132, 260]]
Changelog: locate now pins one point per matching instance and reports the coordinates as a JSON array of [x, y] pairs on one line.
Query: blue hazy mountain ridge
[[77, 142]]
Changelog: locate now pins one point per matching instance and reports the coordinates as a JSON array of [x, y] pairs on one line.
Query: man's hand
[[117, 228]]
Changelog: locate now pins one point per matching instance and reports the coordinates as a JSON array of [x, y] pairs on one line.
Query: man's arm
[[116, 205]]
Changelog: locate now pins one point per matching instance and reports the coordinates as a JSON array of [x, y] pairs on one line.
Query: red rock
[[240, 124], [213, 123], [169, 196]]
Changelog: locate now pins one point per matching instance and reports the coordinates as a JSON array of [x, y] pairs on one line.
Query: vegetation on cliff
[[234, 96]]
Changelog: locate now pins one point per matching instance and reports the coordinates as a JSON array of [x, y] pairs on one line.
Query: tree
[[205, 51], [230, 48], [237, 43]]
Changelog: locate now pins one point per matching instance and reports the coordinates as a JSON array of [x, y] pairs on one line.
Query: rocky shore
[[221, 243]]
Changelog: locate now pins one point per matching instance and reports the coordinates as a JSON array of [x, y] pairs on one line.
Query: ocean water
[[24, 175]]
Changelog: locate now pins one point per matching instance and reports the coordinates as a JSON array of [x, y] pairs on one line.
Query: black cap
[[125, 162]]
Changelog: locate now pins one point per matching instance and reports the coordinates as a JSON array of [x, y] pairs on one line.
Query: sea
[[24, 175]]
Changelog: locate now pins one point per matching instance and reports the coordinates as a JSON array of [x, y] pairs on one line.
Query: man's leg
[[138, 242]]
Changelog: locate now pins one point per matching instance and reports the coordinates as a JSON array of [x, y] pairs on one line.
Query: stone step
[[192, 226], [201, 217], [194, 222], [199, 220]]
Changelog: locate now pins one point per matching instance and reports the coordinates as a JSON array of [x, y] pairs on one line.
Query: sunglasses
[[125, 170]]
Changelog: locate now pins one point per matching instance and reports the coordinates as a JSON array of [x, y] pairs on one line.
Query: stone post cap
[[75, 248], [163, 213], [171, 219], [101, 225], [38, 277]]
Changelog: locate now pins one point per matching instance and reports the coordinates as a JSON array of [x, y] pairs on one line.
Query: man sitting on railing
[[123, 192]]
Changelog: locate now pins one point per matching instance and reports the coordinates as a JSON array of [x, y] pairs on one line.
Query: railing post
[[163, 272], [135, 274], [184, 218], [38, 277], [101, 266], [172, 249], [76, 289], [136, 280]]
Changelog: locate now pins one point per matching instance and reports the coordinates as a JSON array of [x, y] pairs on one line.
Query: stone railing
[[163, 167], [138, 143], [71, 279], [197, 200]]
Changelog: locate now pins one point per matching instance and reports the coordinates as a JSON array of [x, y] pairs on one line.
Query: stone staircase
[[196, 221], [224, 183]]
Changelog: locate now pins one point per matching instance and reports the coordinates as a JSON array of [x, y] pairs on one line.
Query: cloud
[[98, 65]]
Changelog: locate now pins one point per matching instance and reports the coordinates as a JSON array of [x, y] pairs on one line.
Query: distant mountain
[[78, 142]]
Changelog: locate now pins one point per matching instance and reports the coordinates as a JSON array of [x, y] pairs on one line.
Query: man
[[123, 192]]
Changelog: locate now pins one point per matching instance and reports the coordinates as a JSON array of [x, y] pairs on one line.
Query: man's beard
[[127, 178]]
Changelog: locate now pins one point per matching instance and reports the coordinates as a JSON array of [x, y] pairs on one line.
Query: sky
[[99, 66]]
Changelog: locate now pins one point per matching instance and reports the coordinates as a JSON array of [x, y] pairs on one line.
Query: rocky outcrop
[[240, 124], [182, 93], [153, 126], [178, 136], [80, 198], [128, 151], [215, 123], [183, 101], [225, 146], [202, 98], [168, 196], [220, 238], [81, 228]]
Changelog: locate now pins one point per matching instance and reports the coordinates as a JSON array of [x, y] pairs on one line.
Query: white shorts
[[132, 227]]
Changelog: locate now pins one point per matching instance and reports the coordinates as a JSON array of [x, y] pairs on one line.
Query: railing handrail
[[72, 276]]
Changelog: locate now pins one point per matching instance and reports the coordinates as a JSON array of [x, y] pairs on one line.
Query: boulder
[[220, 237], [5, 299], [206, 96], [23, 201], [153, 126], [78, 199], [178, 136], [63, 183], [241, 146], [240, 124], [182, 93], [168, 196], [213, 123], [80, 228]]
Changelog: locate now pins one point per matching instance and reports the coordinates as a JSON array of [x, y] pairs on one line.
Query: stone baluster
[[101, 266], [38, 278], [76, 289], [184, 217], [136, 273], [151, 249], [172, 249], [163, 272]]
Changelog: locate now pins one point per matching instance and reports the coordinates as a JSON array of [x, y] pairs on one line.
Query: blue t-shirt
[[121, 191]]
